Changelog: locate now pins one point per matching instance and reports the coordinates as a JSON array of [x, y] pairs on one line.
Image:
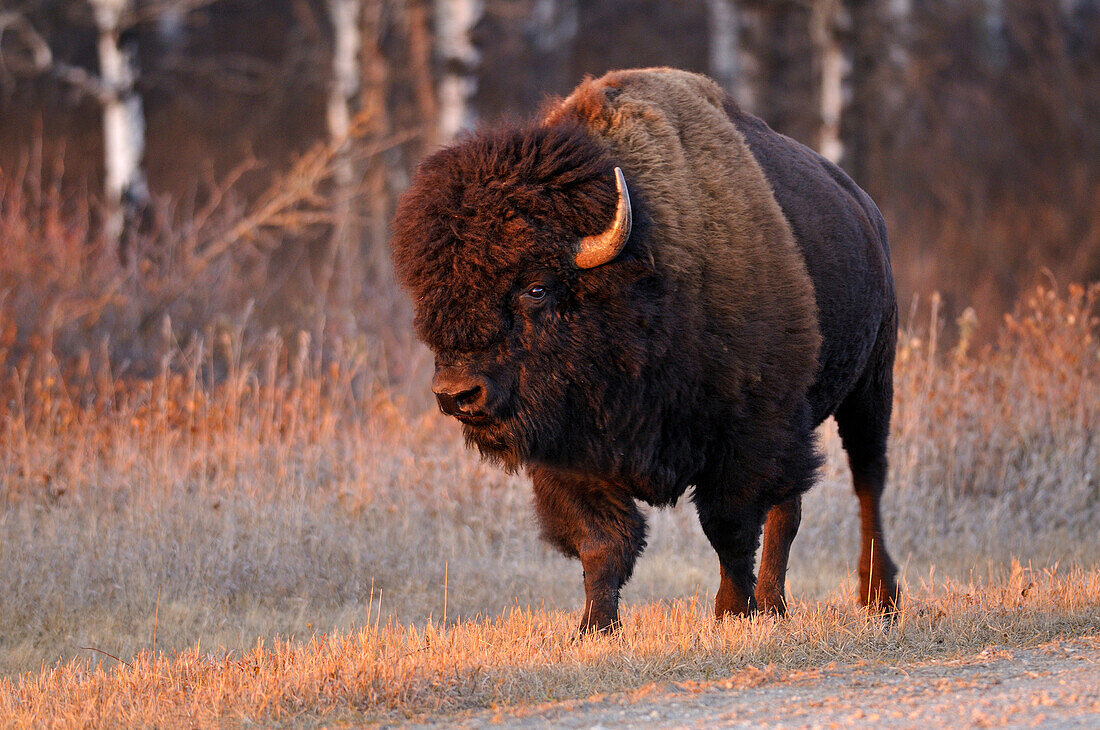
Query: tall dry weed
[[214, 261], [1004, 437]]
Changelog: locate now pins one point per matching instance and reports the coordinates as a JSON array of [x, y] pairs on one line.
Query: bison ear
[[603, 247]]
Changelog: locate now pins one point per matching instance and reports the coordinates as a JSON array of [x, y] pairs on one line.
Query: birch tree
[[785, 63], [124, 182], [870, 50], [345, 18], [552, 30], [779, 65], [123, 120], [725, 47], [830, 68], [454, 19], [552, 24]]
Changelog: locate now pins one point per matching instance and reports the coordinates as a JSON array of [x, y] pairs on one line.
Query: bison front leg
[[599, 523], [734, 535], [779, 532], [736, 546]]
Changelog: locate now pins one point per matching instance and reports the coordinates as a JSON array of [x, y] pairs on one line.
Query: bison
[[646, 289]]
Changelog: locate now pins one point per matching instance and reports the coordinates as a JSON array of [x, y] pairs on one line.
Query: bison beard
[[684, 323]]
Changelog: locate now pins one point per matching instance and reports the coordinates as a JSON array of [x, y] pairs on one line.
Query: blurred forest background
[[170, 166]]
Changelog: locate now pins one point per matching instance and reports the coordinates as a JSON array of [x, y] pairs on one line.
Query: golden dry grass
[[393, 672], [298, 498]]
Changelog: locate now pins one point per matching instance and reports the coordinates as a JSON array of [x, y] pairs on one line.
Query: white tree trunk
[[553, 24], [123, 119], [831, 67], [747, 27], [171, 30], [345, 16], [724, 44], [454, 19], [344, 86]]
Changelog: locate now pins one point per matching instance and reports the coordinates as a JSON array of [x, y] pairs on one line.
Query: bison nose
[[460, 394]]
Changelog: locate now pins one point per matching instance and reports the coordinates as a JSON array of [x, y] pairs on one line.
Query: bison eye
[[535, 293]]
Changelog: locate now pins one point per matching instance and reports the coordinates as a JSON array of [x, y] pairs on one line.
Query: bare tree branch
[[40, 54], [150, 12], [42, 60]]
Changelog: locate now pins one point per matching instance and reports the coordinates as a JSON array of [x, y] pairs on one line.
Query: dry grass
[[299, 498], [391, 672]]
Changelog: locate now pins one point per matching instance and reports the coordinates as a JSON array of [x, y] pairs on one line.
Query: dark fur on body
[[752, 300]]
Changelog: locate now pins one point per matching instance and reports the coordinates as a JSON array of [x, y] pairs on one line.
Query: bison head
[[544, 311]]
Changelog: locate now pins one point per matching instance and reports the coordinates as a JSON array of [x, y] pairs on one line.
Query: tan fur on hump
[[718, 231]]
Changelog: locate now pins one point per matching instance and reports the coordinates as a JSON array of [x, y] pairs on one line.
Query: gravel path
[[1053, 685]]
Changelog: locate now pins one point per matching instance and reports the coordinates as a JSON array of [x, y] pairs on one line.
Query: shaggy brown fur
[[689, 360], [718, 231]]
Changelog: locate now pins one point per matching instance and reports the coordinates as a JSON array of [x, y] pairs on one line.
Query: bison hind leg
[[878, 587], [863, 420]]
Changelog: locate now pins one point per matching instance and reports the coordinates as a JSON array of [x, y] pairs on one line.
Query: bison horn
[[601, 248]]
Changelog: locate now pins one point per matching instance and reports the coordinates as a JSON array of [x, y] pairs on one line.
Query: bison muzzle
[[647, 290]]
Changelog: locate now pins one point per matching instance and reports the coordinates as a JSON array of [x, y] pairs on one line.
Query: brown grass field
[[306, 541]]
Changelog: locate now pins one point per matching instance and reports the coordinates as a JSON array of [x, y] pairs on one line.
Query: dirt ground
[[1052, 685]]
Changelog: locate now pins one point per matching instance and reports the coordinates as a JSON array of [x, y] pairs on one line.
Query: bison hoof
[[599, 625], [733, 602], [883, 598], [771, 603]]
